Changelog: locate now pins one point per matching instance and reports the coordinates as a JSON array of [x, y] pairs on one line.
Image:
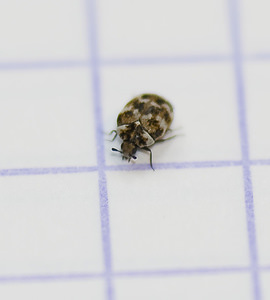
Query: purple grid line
[[49, 277], [30, 65], [101, 167], [126, 167], [140, 273], [181, 272], [9, 66], [236, 43], [166, 60], [46, 171], [260, 162], [124, 274], [174, 165], [265, 268], [55, 64], [258, 57], [91, 11], [130, 167]]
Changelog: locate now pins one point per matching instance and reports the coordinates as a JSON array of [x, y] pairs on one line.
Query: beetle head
[[128, 150]]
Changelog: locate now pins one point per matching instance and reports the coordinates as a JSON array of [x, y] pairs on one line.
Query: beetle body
[[142, 122]]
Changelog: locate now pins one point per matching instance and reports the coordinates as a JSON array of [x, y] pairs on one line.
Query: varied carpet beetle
[[141, 123]]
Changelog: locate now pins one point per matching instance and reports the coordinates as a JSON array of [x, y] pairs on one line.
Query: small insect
[[141, 123]]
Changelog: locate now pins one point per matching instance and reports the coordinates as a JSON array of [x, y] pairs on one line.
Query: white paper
[[77, 221]]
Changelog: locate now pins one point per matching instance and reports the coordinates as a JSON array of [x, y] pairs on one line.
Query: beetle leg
[[151, 158], [114, 135], [169, 138]]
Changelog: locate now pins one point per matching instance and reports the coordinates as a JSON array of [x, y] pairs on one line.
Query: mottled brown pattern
[[120, 119], [128, 147], [158, 133], [128, 114], [152, 110], [145, 96], [139, 105], [128, 133], [134, 133], [152, 122], [157, 120], [160, 101], [155, 116], [167, 117], [140, 141], [143, 121]]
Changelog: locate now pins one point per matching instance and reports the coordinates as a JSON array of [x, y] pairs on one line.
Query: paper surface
[[76, 221]]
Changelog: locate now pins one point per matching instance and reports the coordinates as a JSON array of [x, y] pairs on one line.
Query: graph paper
[[76, 221]]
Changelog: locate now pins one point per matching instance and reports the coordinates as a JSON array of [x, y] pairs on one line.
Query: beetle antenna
[[114, 149]]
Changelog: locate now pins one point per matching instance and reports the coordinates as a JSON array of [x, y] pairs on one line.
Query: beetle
[[141, 123]]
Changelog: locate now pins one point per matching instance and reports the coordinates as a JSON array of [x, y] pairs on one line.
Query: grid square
[[261, 187], [133, 29], [255, 26], [52, 224], [203, 96], [265, 279], [161, 225], [83, 290], [42, 30], [204, 286], [258, 106], [46, 119]]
